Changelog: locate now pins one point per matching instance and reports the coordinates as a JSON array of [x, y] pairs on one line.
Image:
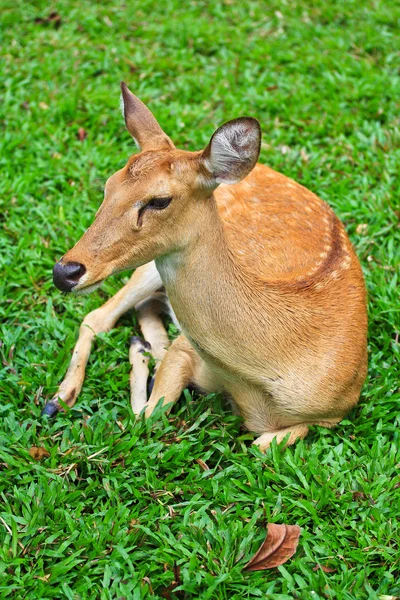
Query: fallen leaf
[[284, 149], [53, 19], [324, 569], [202, 464], [362, 228], [82, 134], [38, 453], [38, 395], [358, 495], [147, 580], [167, 591], [45, 578], [279, 545], [304, 155]]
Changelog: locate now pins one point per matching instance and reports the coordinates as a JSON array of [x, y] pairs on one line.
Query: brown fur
[[262, 278]]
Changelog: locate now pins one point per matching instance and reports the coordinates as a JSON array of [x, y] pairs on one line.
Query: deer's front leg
[[155, 342], [176, 371], [143, 283], [94, 323]]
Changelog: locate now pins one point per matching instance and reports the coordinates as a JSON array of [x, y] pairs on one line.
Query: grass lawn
[[122, 509]]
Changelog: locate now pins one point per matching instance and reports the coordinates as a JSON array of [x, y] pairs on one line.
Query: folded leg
[[144, 282], [155, 342], [294, 432]]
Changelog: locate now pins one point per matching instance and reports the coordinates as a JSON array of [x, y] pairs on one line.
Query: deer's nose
[[67, 276]]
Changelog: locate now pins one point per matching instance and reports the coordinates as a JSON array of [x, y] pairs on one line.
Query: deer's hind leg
[[294, 433], [144, 282]]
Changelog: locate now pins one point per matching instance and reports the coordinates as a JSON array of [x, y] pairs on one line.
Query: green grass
[[120, 508]]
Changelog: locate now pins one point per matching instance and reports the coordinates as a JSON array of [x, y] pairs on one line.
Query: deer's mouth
[[82, 288]]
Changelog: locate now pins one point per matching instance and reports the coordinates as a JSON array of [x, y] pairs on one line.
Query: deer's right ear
[[233, 150], [141, 123]]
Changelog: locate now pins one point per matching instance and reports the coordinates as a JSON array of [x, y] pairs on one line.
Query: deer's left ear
[[233, 150], [142, 124]]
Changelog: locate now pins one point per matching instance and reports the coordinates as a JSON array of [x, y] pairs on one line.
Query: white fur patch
[[86, 290], [167, 266], [122, 105]]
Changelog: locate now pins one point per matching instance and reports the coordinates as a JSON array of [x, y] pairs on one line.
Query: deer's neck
[[214, 301], [198, 273]]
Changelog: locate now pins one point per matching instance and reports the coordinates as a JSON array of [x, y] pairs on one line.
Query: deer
[[257, 271]]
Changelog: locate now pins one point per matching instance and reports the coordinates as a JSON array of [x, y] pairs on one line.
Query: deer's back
[[280, 231]]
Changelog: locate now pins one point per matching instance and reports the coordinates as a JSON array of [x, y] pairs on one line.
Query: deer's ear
[[141, 123], [233, 150]]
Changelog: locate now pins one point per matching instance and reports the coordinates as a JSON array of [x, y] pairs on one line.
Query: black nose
[[66, 277]]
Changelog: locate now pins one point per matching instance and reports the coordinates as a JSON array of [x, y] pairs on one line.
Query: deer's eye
[[159, 203]]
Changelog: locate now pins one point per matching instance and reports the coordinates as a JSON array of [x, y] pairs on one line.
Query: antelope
[[258, 271]]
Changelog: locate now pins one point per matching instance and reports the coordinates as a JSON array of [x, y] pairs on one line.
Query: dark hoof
[[141, 345], [51, 409], [150, 385]]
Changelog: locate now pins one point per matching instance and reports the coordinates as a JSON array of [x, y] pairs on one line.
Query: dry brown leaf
[[82, 134], [202, 464], [324, 568], [358, 495], [167, 591], [53, 19], [38, 453], [147, 580], [279, 545]]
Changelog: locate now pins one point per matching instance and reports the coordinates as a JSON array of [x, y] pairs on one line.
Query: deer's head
[[151, 205]]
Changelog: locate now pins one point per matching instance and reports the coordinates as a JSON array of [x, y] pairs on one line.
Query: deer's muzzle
[[67, 276]]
